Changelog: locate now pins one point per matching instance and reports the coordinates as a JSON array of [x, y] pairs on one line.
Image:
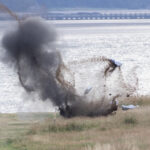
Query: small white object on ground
[[126, 107]]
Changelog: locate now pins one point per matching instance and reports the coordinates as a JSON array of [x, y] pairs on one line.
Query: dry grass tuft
[[130, 120], [124, 146], [137, 100]]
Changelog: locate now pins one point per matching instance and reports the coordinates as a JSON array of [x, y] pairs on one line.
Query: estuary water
[[127, 41]]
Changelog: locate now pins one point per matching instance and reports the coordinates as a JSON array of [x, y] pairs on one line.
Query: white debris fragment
[[87, 90], [117, 63], [126, 107]]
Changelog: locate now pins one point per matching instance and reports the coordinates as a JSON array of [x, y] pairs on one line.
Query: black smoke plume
[[31, 47]]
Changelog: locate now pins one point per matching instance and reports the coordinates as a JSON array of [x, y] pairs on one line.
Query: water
[[125, 41]]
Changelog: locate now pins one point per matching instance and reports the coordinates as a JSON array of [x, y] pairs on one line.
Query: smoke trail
[[111, 66], [111, 71], [7, 10]]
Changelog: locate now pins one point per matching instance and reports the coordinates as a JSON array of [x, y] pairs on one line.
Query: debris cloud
[[31, 47]]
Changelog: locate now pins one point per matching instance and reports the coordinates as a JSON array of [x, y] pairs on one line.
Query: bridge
[[103, 15], [95, 16]]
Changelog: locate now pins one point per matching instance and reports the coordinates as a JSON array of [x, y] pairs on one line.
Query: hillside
[[106, 4], [28, 5]]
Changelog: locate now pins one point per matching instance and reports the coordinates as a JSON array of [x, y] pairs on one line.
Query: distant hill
[[106, 4], [27, 5]]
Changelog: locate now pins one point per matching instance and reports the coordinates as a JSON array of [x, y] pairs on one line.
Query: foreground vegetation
[[125, 130]]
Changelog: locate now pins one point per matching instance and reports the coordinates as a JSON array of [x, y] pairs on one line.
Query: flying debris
[[117, 63], [113, 64], [87, 90], [30, 46], [127, 107]]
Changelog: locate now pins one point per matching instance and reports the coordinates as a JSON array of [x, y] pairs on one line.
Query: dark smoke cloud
[[31, 48]]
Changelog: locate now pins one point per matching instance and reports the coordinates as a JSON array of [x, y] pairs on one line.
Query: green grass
[[6, 145], [127, 130], [130, 120], [67, 128]]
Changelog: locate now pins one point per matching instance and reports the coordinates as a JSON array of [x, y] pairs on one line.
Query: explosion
[[31, 47]]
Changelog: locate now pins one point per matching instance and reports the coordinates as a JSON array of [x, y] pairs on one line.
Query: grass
[[141, 101], [67, 128], [61, 125], [127, 130], [125, 146], [130, 120]]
